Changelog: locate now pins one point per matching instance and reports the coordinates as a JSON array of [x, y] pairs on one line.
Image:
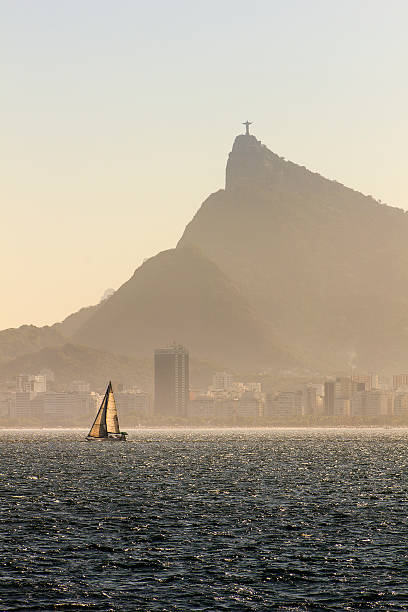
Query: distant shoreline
[[219, 428]]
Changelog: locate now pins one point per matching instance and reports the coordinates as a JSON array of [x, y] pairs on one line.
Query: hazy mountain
[[27, 339], [72, 362], [74, 321], [181, 296], [325, 265], [280, 257]]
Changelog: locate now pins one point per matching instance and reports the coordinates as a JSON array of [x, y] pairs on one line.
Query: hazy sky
[[117, 118]]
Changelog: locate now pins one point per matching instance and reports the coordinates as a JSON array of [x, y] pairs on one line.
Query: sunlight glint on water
[[205, 520]]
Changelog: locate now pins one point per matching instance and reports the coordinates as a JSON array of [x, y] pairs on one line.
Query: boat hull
[[120, 438]]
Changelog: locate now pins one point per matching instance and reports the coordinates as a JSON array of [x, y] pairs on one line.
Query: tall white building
[[34, 383], [223, 381]]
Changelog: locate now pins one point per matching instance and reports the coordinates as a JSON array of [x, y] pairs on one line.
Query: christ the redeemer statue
[[247, 124]]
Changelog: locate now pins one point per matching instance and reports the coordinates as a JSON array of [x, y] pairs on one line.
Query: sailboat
[[106, 423]]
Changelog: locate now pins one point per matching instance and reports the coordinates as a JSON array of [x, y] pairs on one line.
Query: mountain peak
[[248, 163], [321, 263], [181, 294]]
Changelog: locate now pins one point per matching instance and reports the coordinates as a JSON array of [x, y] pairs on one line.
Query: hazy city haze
[[117, 118]]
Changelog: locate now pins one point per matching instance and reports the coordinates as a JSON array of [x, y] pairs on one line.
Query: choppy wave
[[205, 520]]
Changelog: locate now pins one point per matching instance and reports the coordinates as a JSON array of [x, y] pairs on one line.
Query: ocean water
[[205, 520]]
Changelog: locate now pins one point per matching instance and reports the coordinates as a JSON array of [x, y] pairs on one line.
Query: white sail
[[112, 422]]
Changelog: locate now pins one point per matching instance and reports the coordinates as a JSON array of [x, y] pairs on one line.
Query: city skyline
[[355, 399]]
